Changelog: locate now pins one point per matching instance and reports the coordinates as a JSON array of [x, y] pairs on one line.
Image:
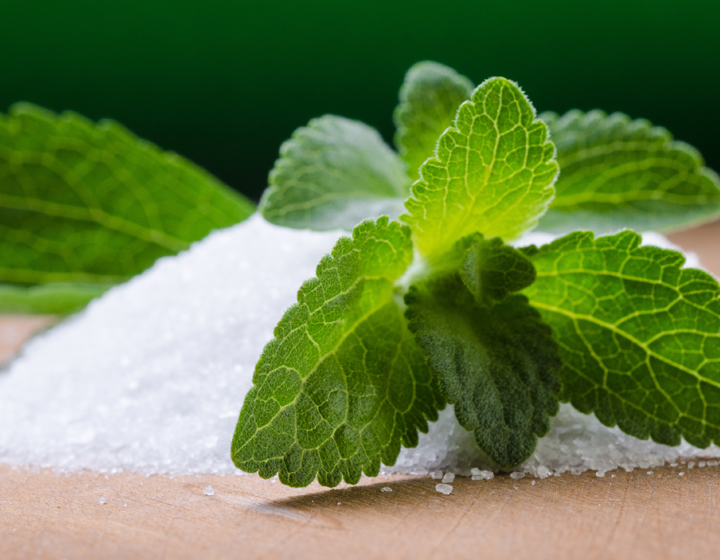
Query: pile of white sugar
[[151, 377]]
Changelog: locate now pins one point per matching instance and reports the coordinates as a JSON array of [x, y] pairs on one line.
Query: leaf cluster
[[375, 346]]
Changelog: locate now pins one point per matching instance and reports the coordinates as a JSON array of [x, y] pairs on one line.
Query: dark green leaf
[[494, 357]]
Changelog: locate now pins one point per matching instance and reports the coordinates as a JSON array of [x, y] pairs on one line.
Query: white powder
[[151, 377]]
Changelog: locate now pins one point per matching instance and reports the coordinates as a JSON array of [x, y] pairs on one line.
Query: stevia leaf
[[496, 363], [55, 298], [343, 384], [492, 270], [429, 100], [87, 203], [617, 173], [639, 335], [493, 172], [333, 174]]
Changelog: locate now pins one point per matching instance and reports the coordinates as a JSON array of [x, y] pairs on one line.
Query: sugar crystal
[[443, 488]]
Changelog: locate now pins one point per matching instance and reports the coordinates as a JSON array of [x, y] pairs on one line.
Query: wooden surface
[[631, 515]]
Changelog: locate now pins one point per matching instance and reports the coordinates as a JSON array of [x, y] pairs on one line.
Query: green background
[[225, 82]]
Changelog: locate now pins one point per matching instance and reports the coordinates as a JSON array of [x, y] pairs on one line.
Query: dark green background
[[225, 82]]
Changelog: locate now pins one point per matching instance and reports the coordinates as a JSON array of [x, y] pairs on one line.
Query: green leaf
[[493, 172], [90, 203], [638, 334], [54, 299], [492, 270], [343, 384], [617, 173], [496, 363], [429, 100], [333, 174]]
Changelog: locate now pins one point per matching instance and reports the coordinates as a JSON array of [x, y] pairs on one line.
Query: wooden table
[[633, 515]]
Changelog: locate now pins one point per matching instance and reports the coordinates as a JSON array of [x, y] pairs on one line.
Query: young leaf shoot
[[493, 172]]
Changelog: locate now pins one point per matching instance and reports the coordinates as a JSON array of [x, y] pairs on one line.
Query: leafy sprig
[[502, 333]]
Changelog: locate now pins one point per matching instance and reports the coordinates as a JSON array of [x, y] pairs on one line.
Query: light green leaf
[[333, 174], [429, 100], [638, 334], [493, 172], [496, 362], [617, 173], [53, 299], [343, 384], [90, 203]]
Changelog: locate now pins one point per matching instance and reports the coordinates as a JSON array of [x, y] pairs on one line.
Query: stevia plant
[[427, 303]]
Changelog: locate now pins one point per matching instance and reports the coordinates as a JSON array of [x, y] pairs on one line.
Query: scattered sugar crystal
[[517, 474], [702, 464], [600, 474], [386, 489], [102, 500], [477, 474], [651, 472], [209, 491], [713, 463], [448, 477], [151, 377], [691, 465], [681, 474], [443, 488], [673, 464], [533, 483]]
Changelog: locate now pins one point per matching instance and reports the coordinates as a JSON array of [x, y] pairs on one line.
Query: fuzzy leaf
[[333, 174], [638, 334], [88, 203], [495, 363], [617, 173], [429, 100], [493, 172], [343, 384]]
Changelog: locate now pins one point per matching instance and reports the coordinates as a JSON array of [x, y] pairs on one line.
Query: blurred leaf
[[616, 173], [56, 298], [87, 203], [429, 100], [334, 173]]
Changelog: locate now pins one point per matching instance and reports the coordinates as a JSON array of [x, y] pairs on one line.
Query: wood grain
[[634, 516], [663, 515]]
